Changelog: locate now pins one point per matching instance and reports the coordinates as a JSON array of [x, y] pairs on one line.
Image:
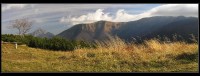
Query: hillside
[[112, 56], [184, 28], [140, 29], [93, 31]]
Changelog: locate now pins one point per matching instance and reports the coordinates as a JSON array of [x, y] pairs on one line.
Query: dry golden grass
[[110, 56]]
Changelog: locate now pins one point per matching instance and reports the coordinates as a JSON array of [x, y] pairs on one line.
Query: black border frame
[[101, 2]]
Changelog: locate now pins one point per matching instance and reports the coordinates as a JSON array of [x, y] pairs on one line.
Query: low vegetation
[[55, 43], [113, 55]]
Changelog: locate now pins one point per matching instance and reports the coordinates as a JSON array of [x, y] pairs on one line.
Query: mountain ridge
[[142, 28]]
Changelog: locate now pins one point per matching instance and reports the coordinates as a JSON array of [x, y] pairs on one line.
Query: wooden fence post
[[15, 45]]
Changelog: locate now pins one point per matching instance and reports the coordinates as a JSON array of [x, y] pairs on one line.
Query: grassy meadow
[[110, 56]]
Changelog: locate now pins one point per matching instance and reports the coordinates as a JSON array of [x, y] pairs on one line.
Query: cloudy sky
[[56, 18]]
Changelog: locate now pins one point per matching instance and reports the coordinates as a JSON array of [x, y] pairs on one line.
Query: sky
[[56, 18]]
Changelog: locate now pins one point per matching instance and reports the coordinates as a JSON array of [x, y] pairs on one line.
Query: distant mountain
[[144, 28], [47, 35], [42, 33]]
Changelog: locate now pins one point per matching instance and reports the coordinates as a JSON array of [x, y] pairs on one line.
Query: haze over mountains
[[141, 29]]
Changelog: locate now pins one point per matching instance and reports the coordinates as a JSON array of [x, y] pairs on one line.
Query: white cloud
[[15, 6], [122, 16], [176, 10], [36, 11], [88, 18]]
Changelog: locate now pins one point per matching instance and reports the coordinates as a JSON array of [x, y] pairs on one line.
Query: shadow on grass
[[188, 57]]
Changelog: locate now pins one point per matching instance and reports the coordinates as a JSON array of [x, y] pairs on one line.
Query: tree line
[[55, 43]]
